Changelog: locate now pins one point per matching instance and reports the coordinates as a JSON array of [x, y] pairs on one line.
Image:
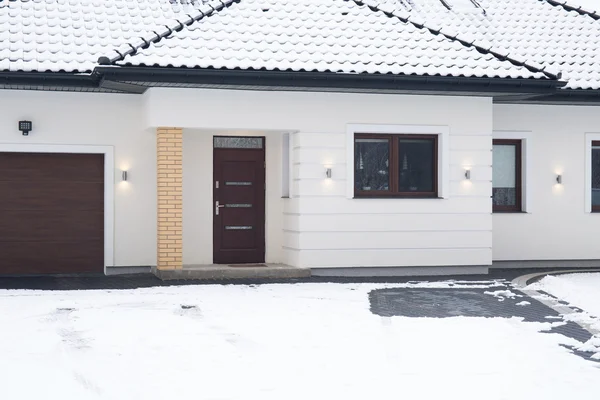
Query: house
[[351, 137]]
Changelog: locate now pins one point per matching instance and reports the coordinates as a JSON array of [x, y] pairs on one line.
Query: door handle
[[217, 206]]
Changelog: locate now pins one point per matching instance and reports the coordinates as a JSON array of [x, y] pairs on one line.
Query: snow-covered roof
[[474, 38]]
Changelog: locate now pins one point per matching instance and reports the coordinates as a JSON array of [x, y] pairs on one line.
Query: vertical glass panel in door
[[416, 163], [596, 177], [371, 164], [504, 177]]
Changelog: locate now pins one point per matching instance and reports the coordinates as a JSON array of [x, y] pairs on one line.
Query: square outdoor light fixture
[[25, 127]]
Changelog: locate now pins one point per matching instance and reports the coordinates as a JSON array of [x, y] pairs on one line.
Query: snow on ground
[[581, 290], [302, 341]]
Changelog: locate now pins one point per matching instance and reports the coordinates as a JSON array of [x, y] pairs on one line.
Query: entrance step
[[235, 271]]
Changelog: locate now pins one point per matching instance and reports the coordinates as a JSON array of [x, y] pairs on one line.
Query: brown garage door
[[51, 213]]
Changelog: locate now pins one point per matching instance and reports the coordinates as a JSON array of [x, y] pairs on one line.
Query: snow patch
[[501, 295]]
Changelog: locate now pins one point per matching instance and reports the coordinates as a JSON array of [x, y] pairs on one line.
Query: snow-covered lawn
[[581, 290], [304, 341]]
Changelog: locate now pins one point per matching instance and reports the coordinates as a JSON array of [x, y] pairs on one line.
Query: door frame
[[264, 205], [109, 182]]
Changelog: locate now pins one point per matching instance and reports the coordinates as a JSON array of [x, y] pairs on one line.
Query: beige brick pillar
[[169, 147]]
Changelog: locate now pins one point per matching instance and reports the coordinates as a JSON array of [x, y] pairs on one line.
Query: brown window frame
[[394, 167], [518, 207], [595, 208]]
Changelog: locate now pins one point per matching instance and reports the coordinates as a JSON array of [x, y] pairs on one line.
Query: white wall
[[321, 227], [198, 205], [102, 120], [556, 225]]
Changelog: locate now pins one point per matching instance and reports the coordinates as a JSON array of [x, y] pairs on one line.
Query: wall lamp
[[25, 127], [468, 174], [328, 172], [559, 179], [124, 176]]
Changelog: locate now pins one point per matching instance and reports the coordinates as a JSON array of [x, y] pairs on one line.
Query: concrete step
[[238, 271]]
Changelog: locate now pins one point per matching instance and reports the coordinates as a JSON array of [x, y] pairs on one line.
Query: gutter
[[150, 76], [64, 79], [590, 97]]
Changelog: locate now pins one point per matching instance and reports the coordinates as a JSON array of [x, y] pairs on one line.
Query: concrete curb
[[553, 302]]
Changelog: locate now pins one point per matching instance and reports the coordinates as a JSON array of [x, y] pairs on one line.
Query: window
[[506, 177], [395, 165], [596, 176]]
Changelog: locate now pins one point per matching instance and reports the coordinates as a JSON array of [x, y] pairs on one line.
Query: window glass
[[596, 176], [371, 164], [236, 142], [504, 176], [416, 163]]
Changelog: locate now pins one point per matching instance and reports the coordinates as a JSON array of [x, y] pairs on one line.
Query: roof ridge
[[390, 12], [205, 10], [578, 9]]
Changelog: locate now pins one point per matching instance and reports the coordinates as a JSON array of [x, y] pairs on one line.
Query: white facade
[[557, 223], [321, 225], [66, 122]]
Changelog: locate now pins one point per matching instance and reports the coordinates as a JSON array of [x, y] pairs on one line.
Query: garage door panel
[[50, 167], [59, 257], [40, 225], [51, 196], [51, 213]]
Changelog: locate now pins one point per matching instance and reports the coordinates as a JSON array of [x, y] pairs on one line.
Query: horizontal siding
[[338, 171], [388, 222], [340, 205], [471, 157], [387, 240], [326, 229], [320, 155], [291, 257], [471, 188], [334, 187], [317, 171], [470, 142], [394, 257], [478, 173]]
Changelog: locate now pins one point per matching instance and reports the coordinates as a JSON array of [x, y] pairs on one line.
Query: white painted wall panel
[[556, 225], [337, 205], [471, 157], [388, 240], [391, 223], [98, 119], [317, 171], [394, 257], [471, 142]]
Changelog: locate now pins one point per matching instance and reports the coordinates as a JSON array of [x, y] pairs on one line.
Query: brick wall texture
[[169, 148]]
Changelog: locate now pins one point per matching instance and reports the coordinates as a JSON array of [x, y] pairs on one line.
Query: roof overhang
[[136, 80], [585, 97], [325, 81]]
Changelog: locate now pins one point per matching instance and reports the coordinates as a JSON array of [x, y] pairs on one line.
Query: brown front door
[[239, 201], [51, 213]]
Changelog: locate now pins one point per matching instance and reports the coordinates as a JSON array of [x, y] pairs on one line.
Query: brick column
[[169, 146]]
